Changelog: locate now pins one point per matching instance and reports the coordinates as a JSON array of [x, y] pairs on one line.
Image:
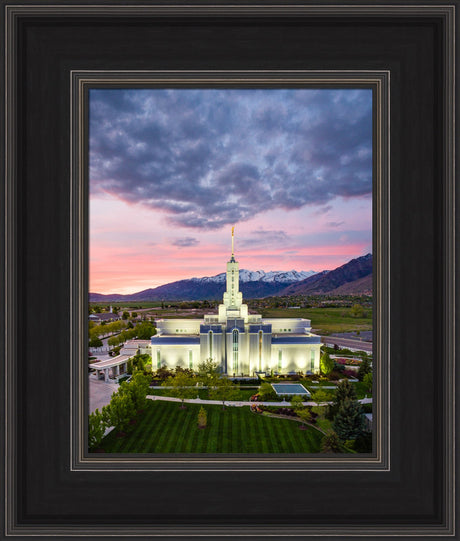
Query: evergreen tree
[[330, 443], [364, 368], [345, 390], [349, 422]]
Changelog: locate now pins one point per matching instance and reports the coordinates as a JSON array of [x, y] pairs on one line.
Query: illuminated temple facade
[[242, 344]]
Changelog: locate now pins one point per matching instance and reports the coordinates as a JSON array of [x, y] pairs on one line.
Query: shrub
[[202, 418], [330, 443]]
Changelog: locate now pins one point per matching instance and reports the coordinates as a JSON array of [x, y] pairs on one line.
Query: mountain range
[[353, 278]]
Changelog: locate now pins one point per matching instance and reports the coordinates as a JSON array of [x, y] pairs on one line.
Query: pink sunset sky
[[171, 171]]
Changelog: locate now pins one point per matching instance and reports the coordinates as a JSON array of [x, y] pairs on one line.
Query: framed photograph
[[235, 369], [138, 135]]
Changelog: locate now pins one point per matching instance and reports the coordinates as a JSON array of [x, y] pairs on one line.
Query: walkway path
[[239, 403], [100, 393]]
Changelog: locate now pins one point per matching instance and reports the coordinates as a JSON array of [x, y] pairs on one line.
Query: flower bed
[[345, 361]]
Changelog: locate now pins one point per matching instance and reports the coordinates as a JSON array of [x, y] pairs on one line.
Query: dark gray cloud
[[214, 157], [263, 237], [334, 224], [185, 242]]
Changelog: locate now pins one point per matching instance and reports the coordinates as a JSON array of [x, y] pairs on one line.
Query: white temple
[[242, 344]]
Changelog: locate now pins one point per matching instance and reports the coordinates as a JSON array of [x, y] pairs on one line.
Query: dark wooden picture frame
[[51, 487]]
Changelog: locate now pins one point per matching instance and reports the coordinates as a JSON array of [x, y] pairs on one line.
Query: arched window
[[260, 349], [210, 344], [235, 339]]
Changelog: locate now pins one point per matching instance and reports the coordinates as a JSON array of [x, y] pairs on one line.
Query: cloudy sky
[[171, 171]]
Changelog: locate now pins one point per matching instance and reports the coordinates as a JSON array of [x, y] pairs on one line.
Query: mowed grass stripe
[[168, 421], [174, 429], [237, 440], [190, 422], [259, 433], [164, 427], [215, 428], [276, 442], [246, 441], [225, 444]]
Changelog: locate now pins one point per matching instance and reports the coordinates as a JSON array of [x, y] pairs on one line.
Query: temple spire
[[233, 237]]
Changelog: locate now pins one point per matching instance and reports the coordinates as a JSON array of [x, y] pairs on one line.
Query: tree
[[296, 402], [133, 314], [137, 388], [120, 411], [367, 380], [202, 418], [182, 386], [208, 373], [145, 330], [345, 390], [96, 429], [140, 360], [125, 315], [304, 415], [357, 311], [95, 342], [327, 364], [364, 368], [266, 392], [319, 397], [330, 443], [349, 422], [224, 390]]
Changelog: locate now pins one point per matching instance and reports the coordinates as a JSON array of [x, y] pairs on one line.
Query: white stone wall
[[174, 355], [243, 354], [259, 363], [295, 358], [289, 325], [178, 327], [218, 351]]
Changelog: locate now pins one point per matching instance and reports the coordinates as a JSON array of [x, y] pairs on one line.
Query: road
[[356, 345]]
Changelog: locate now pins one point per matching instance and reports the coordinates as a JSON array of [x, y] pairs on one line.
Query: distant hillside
[[361, 286], [331, 282], [253, 284]]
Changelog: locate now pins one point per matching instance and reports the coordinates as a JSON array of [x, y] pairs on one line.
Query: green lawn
[[326, 320], [165, 428]]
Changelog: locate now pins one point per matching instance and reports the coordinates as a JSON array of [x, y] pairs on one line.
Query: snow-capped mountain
[[260, 276], [253, 284]]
